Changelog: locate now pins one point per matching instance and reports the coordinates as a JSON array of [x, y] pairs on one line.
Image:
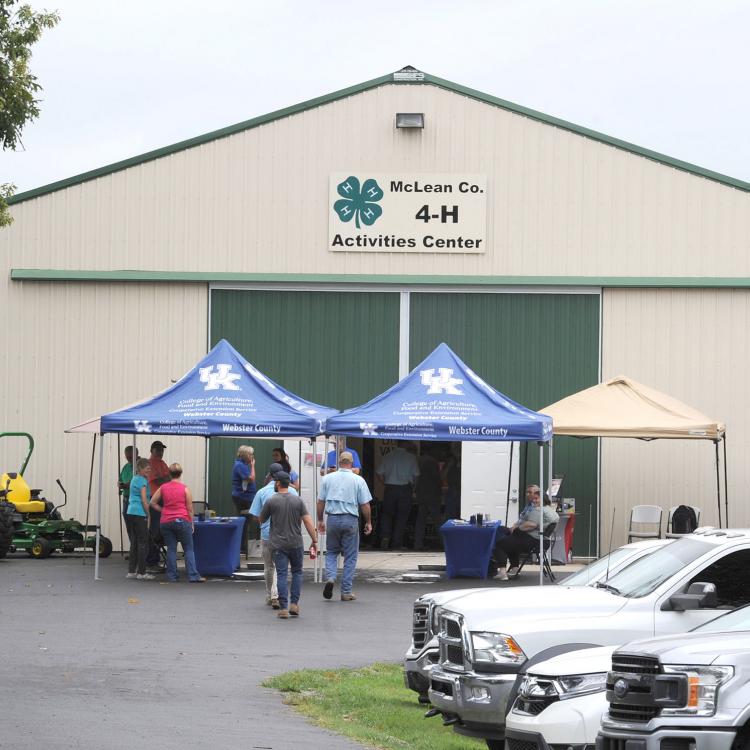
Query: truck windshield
[[598, 568], [646, 574], [737, 620]]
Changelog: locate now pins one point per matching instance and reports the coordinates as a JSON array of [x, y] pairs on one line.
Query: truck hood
[[510, 610], [583, 661], [443, 597], [694, 648]]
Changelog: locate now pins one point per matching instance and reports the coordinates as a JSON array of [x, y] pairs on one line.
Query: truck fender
[[547, 653]]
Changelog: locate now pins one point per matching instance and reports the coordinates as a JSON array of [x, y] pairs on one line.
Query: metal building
[[576, 257]]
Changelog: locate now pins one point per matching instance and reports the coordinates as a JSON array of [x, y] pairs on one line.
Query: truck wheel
[[41, 548], [6, 527], [105, 546]]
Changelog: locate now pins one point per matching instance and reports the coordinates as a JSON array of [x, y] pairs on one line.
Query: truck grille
[[637, 703], [512, 744], [634, 664], [533, 706], [450, 637], [420, 633]]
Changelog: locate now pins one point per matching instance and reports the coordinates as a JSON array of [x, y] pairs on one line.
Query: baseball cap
[[346, 456], [157, 444], [282, 478], [274, 469]]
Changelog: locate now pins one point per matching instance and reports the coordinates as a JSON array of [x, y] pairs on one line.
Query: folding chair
[[548, 540], [645, 515], [672, 535]]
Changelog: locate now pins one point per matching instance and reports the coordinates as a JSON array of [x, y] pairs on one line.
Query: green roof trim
[[366, 86], [201, 277]]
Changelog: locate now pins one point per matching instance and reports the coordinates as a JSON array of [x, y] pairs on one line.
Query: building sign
[[407, 213]]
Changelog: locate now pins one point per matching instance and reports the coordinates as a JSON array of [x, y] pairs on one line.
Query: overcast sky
[[123, 77]]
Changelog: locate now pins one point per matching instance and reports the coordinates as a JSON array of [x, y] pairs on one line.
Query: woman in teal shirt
[[138, 501]]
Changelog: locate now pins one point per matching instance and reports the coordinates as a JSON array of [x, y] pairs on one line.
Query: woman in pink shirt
[[175, 501]]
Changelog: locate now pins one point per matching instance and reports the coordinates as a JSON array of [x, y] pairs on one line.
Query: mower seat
[[31, 506]]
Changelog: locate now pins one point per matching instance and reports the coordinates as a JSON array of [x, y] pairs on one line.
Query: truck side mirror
[[698, 596]]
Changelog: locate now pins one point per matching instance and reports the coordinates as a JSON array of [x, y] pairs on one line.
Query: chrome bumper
[[478, 700], [703, 739], [417, 670]]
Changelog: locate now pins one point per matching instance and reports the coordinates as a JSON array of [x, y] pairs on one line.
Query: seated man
[[524, 534]]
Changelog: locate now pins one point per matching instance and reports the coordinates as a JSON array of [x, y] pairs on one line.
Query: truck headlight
[[571, 686], [496, 648], [702, 688]]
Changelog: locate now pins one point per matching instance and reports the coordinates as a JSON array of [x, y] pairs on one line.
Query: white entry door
[[484, 480]]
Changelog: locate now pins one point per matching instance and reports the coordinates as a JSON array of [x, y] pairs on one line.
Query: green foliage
[[6, 190], [20, 28], [370, 705]]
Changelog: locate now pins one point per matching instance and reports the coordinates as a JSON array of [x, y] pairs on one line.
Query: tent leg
[[99, 510], [510, 474], [726, 485], [316, 565], [550, 457], [541, 514], [88, 497], [119, 509], [718, 481]]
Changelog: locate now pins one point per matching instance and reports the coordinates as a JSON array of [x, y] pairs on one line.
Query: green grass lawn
[[370, 705]]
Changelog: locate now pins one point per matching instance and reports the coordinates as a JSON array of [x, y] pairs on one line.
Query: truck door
[[730, 573]]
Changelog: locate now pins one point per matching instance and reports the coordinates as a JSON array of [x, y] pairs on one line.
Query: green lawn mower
[[29, 521]]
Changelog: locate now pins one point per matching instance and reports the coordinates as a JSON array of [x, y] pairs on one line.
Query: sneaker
[[275, 604], [131, 575], [283, 614], [198, 580], [502, 574], [294, 610], [145, 577], [268, 601], [328, 590], [348, 597], [513, 571]]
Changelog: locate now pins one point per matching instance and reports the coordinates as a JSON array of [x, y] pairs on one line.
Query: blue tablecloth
[[217, 545], [468, 548]]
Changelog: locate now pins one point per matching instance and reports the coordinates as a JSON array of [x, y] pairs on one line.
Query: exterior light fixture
[[410, 120]]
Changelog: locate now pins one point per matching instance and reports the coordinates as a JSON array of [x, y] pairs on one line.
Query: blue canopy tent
[[222, 396], [444, 399]]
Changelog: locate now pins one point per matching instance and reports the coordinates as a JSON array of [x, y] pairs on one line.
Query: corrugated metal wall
[[334, 348], [558, 203], [75, 351], [693, 345], [535, 348]]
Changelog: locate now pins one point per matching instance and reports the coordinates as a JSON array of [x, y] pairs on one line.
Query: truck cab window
[[731, 576]]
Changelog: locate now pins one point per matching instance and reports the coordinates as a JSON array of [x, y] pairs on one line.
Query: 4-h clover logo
[[358, 204]]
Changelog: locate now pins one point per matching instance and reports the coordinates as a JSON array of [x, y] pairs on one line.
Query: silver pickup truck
[[483, 648], [690, 692]]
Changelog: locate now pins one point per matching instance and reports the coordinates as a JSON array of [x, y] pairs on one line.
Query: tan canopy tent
[[624, 408]]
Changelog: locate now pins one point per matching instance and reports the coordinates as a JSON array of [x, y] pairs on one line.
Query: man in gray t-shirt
[[287, 512]]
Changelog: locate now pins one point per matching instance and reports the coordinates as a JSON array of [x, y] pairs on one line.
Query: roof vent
[[408, 73]]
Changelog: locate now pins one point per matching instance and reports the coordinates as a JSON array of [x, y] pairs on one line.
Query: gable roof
[[405, 76]]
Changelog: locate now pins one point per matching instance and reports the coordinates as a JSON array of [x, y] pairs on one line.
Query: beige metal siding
[[75, 351], [692, 344], [558, 203]]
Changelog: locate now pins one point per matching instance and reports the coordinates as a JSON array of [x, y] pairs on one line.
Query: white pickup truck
[[423, 652], [484, 649]]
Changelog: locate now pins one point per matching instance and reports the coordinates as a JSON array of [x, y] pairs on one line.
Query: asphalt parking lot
[[122, 664]]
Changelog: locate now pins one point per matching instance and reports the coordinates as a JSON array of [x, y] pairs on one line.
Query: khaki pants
[[269, 570]]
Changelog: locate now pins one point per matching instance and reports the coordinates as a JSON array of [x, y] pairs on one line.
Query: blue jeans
[[283, 559], [180, 531], [342, 538]]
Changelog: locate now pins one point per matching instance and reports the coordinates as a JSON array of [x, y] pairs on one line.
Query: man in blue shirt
[[341, 496], [330, 463], [269, 569]]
